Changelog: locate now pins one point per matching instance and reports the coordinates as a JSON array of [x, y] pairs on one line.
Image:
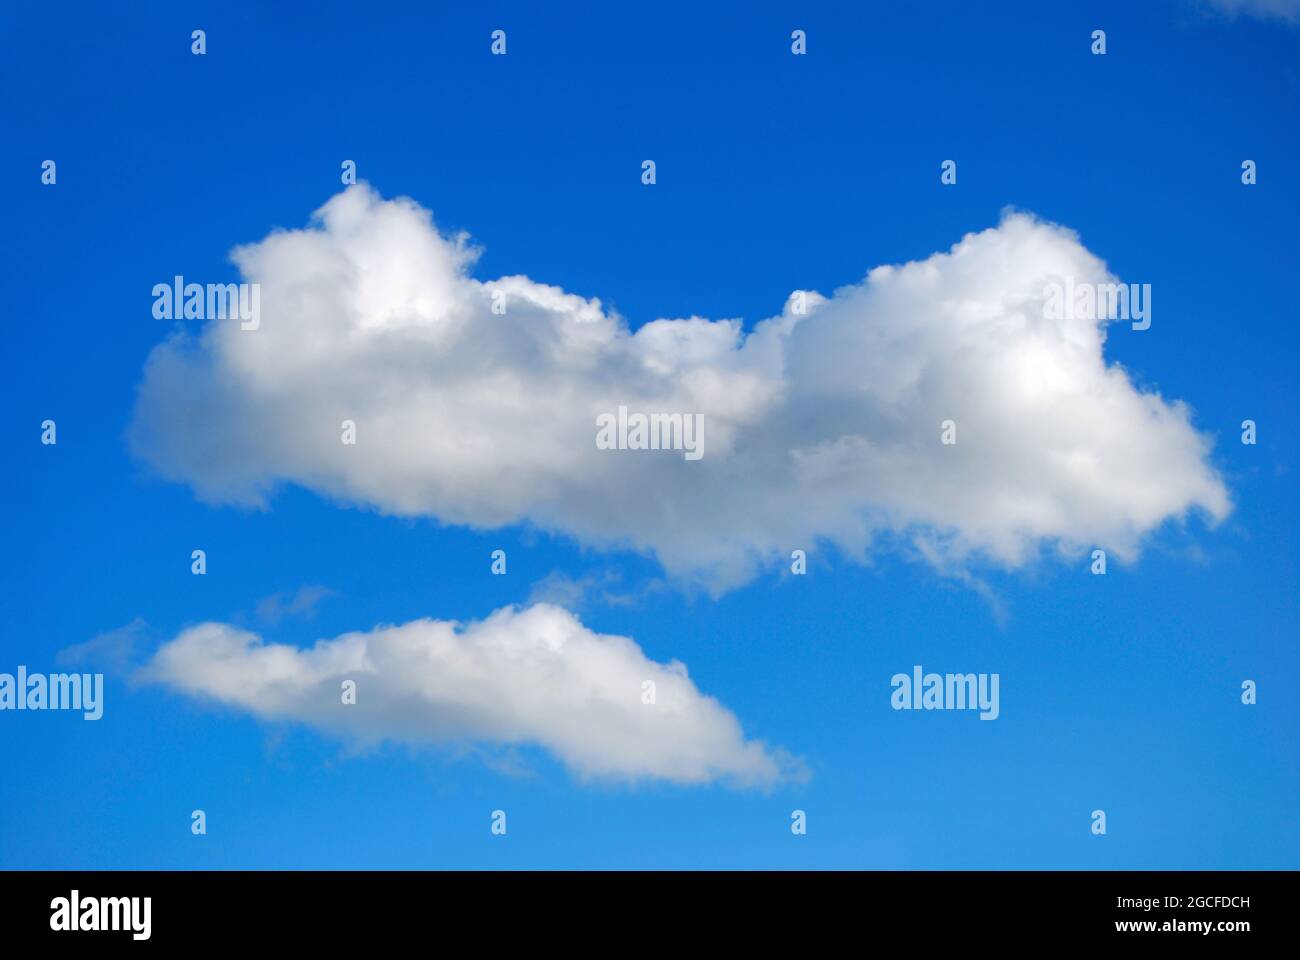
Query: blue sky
[[774, 173]]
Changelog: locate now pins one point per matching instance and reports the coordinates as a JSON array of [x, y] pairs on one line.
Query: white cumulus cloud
[[817, 427], [535, 676]]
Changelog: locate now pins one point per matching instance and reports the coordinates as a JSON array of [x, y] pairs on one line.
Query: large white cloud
[[817, 427], [521, 677]]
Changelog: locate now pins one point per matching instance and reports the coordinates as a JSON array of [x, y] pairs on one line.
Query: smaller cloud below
[[114, 651], [299, 604], [522, 677]]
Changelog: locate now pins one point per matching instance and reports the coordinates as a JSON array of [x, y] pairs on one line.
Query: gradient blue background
[[775, 172]]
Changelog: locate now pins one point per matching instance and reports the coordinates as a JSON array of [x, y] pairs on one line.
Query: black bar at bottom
[[334, 909]]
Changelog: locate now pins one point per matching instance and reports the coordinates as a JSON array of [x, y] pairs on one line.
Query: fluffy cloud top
[[820, 426], [534, 676]]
